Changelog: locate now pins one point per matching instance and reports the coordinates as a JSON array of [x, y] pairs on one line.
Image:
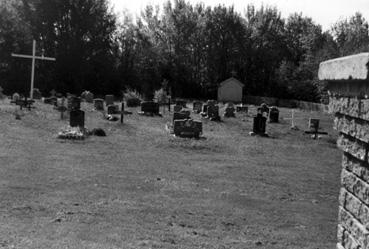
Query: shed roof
[[232, 79]]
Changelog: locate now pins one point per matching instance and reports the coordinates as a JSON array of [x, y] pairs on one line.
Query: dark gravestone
[[99, 104], [229, 111], [187, 128], [263, 109], [213, 112], [77, 118], [181, 103], [274, 115], [204, 110], [150, 107], [314, 124], [89, 97], [109, 100], [37, 94], [177, 108], [51, 100], [259, 125], [112, 109], [197, 106], [181, 115], [74, 103], [242, 108]]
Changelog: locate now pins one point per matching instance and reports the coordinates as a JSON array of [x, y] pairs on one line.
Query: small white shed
[[230, 90]]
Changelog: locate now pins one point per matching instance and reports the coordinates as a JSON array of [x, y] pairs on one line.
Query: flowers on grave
[[74, 133]]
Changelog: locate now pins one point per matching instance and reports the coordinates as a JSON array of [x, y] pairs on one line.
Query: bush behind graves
[[132, 97], [161, 96]]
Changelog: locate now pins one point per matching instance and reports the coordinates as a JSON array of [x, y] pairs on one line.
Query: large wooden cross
[[33, 57]]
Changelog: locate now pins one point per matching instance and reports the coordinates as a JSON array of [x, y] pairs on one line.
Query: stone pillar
[[348, 84]]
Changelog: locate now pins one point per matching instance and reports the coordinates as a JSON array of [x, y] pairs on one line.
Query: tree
[[352, 35], [80, 34]]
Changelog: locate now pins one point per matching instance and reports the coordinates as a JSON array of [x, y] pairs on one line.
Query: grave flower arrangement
[[74, 133]]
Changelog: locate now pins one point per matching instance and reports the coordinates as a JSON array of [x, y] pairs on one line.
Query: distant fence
[[290, 103]]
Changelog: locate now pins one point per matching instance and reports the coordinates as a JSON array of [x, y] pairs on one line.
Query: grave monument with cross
[[34, 58]]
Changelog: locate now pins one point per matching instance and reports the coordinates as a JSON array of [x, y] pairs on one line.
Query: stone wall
[[348, 101]]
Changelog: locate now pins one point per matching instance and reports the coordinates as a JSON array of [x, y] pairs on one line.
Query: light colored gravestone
[[16, 97], [109, 100], [348, 84], [99, 104]]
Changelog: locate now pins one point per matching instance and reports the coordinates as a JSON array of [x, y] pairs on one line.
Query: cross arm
[[34, 57]]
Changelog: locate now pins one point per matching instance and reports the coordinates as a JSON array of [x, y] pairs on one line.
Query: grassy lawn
[[140, 187]]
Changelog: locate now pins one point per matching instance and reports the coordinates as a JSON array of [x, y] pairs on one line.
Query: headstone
[[229, 111], [204, 111], [274, 115], [77, 118], [51, 100], [242, 108], [112, 109], [263, 109], [74, 103], [182, 103], [53, 93], [213, 111], [177, 108], [150, 107], [59, 95], [2, 96], [36, 93], [15, 97], [99, 104], [187, 128], [61, 108], [313, 124], [109, 100], [259, 125], [197, 106], [89, 97], [181, 115]]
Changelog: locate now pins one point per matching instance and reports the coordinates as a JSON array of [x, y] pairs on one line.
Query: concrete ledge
[[354, 67]]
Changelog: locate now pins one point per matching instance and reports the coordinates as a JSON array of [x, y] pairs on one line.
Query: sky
[[323, 12]]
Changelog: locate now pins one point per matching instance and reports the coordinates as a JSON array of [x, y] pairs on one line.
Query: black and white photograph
[[184, 124]]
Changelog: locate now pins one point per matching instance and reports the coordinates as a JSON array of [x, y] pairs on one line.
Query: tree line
[[188, 49]]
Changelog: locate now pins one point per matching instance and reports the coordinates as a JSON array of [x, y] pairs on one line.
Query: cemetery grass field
[[140, 187]]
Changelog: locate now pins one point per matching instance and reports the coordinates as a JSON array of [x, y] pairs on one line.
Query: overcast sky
[[324, 12]]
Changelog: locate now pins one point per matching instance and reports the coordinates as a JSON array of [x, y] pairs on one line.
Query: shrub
[[132, 97], [161, 96]]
